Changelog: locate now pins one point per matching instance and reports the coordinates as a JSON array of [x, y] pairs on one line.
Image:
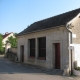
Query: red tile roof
[[4, 36]]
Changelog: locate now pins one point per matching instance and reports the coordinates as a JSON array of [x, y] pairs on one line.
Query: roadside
[[16, 71]]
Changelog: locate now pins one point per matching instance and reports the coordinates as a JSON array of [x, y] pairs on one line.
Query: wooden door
[[57, 55], [22, 53]]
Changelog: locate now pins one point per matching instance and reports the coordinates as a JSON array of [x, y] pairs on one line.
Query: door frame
[[21, 53], [57, 56], [53, 53]]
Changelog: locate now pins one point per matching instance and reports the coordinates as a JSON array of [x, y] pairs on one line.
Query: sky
[[16, 15]]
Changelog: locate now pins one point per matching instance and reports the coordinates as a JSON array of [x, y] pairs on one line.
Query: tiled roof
[[5, 35], [51, 22]]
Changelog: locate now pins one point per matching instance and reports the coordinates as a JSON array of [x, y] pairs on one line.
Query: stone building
[[46, 43]]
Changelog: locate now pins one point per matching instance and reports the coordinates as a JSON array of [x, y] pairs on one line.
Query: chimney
[[6, 33]]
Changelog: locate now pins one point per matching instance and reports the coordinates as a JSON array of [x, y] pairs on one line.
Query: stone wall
[[75, 23], [13, 50], [55, 35]]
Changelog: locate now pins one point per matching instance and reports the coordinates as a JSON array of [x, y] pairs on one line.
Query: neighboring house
[[46, 43], [6, 36]]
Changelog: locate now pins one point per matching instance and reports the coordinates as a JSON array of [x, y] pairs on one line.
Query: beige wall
[[57, 35], [74, 27], [14, 50], [7, 46], [5, 39], [75, 22]]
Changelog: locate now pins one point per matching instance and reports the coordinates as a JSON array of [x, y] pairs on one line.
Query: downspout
[[71, 41]]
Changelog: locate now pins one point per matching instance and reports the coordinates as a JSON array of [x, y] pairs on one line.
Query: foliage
[[15, 34], [3, 51], [12, 41], [1, 34], [77, 68], [1, 44]]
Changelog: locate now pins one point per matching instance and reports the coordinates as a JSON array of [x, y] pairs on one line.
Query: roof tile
[[54, 21]]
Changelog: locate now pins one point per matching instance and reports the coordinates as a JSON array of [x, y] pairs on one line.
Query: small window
[[32, 48], [42, 48]]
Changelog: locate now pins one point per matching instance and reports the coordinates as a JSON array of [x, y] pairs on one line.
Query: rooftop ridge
[[50, 22]]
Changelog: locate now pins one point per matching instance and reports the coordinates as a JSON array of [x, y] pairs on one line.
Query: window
[[42, 48], [32, 48]]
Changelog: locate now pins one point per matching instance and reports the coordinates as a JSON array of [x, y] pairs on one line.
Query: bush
[[1, 44], [77, 68], [2, 51]]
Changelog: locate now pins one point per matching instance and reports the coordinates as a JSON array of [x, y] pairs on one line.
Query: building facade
[[46, 43]]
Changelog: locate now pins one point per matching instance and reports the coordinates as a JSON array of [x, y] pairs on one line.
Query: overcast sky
[[16, 15]]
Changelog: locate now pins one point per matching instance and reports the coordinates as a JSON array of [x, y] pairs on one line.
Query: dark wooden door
[[22, 53], [57, 55]]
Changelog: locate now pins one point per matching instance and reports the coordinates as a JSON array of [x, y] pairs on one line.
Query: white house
[[6, 36]]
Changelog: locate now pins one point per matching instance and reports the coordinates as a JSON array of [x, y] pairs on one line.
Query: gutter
[[40, 30], [71, 50]]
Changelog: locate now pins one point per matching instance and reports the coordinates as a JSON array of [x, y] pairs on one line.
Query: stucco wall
[[14, 50], [75, 22], [77, 52], [57, 35], [5, 39], [7, 46], [77, 55]]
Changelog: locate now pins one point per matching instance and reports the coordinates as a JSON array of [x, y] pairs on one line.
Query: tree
[[1, 44], [15, 34], [12, 41]]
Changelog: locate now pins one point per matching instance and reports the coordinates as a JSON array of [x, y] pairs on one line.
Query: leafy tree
[[1, 44], [12, 41], [1, 34], [15, 34]]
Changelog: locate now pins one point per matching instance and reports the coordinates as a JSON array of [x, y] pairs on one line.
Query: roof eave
[[40, 30]]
